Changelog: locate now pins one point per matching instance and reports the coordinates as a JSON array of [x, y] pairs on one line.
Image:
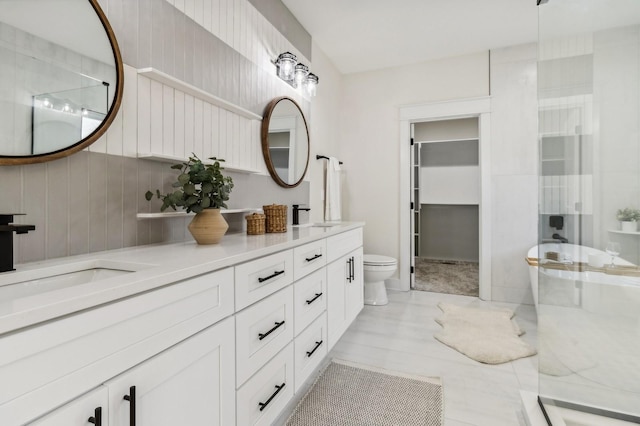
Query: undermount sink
[[15, 285]]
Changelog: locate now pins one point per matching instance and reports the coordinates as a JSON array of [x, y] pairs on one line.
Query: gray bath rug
[[447, 276], [351, 394], [489, 336]]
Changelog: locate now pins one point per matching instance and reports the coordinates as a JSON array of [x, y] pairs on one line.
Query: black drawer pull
[[275, 274], [314, 299], [349, 272], [309, 259], [132, 405], [314, 349], [263, 405], [96, 419], [263, 335]]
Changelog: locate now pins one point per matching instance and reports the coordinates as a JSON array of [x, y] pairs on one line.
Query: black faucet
[[560, 238], [6, 239], [296, 216]]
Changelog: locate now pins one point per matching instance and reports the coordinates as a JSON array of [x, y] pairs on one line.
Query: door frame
[[437, 111]]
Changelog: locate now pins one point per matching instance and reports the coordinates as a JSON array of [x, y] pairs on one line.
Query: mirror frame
[[102, 128], [265, 142]]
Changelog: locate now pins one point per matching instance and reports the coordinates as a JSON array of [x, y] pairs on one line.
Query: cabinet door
[[78, 412], [354, 288], [345, 294], [189, 384]]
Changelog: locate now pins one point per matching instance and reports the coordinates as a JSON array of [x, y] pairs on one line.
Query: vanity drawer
[[262, 330], [261, 277], [341, 244], [265, 391], [309, 299], [49, 364], [310, 348], [308, 258]]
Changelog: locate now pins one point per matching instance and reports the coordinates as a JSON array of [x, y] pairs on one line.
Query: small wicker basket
[[255, 224], [276, 217]]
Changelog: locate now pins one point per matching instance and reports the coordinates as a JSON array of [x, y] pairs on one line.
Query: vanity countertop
[[160, 264]]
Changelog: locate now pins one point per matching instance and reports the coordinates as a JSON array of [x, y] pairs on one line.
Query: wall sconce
[[296, 74]]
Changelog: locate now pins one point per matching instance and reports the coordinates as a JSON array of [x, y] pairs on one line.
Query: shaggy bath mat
[[489, 336], [353, 395]]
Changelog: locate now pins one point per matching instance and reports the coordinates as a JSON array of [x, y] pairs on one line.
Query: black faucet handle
[[7, 218]]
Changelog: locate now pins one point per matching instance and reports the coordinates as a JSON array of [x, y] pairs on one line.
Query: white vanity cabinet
[[231, 344], [345, 282]]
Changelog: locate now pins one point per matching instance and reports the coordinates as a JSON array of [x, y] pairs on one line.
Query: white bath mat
[[489, 336], [355, 395]]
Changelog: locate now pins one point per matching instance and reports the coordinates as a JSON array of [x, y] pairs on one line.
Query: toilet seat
[[378, 260]]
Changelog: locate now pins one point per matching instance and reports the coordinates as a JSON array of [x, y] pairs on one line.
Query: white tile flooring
[[399, 336]]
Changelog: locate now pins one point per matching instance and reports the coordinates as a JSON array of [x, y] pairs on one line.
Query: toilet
[[377, 269]]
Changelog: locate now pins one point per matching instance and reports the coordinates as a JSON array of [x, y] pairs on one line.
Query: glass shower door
[[589, 140]]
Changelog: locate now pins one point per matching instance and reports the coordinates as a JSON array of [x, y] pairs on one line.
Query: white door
[[354, 287], [337, 273], [90, 408], [192, 383]]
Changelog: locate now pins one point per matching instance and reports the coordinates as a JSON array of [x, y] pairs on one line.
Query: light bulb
[[286, 65]]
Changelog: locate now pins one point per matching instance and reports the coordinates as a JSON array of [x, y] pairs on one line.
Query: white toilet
[[377, 269]]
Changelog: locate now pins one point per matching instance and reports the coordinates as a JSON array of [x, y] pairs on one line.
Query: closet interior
[[446, 193]]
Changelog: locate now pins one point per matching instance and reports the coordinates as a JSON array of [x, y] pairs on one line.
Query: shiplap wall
[[88, 202]]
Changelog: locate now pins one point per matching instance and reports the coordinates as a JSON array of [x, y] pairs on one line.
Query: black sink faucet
[[296, 215], [6, 239]]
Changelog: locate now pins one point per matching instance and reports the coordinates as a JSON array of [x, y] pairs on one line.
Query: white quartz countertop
[[159, 264]]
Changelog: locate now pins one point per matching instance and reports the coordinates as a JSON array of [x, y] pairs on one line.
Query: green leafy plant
[[628, 214], [199, 186]]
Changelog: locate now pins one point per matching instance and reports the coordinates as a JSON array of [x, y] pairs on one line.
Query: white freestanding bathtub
[[593, 291]]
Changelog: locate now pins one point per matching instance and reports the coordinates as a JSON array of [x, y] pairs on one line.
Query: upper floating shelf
[[172, 159], [168, 80]]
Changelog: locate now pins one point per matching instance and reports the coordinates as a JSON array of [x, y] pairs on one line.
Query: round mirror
[[285, 142], [61, 78]]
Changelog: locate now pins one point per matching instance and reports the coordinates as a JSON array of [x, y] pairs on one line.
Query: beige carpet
[[355, 395], [489, 336]]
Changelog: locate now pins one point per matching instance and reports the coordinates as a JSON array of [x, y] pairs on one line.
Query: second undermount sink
[[20, 284]]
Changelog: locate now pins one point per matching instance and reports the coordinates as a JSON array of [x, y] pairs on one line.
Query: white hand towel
[[332, 206]]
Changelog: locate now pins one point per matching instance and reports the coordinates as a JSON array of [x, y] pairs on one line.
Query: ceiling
[[364, 35]]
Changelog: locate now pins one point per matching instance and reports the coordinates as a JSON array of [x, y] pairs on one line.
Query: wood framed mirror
[[61, 78], [285, 142]]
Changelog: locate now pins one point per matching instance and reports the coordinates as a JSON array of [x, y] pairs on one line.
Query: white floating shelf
[[172, 159], [617, 231], [165, 215], [168, 80]]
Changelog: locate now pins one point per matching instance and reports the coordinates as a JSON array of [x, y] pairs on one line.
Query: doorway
[[480, 108], [446, 192]]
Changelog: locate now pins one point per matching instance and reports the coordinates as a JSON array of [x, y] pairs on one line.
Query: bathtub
[[594, 291]]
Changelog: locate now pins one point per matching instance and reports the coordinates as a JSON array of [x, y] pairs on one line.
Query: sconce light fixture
[[296, 73]]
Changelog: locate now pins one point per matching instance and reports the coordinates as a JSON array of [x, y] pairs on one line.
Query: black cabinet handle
[[263, 335], [263, 405], [132, 405], [314, 349], [96, 419], [275, 274], [353, 268], [314, 299], [349, 273], [310, 259]]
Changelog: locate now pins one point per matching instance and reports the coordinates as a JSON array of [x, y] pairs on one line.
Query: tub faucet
[[296, 211], [560, 238], [6, 239]]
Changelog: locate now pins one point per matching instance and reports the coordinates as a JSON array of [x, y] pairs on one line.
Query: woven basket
[[255, 224], [276, 217]]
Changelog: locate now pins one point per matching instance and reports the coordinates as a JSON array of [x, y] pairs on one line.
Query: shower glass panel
[[588, 281]]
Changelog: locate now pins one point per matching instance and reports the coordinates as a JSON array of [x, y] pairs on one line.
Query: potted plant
[[628, 218], [202, 189]]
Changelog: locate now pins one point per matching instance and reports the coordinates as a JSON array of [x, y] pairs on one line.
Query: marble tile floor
[[399, 336]]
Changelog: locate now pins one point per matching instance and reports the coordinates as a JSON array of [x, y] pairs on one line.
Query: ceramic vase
[[208, 226], [628, 226]]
